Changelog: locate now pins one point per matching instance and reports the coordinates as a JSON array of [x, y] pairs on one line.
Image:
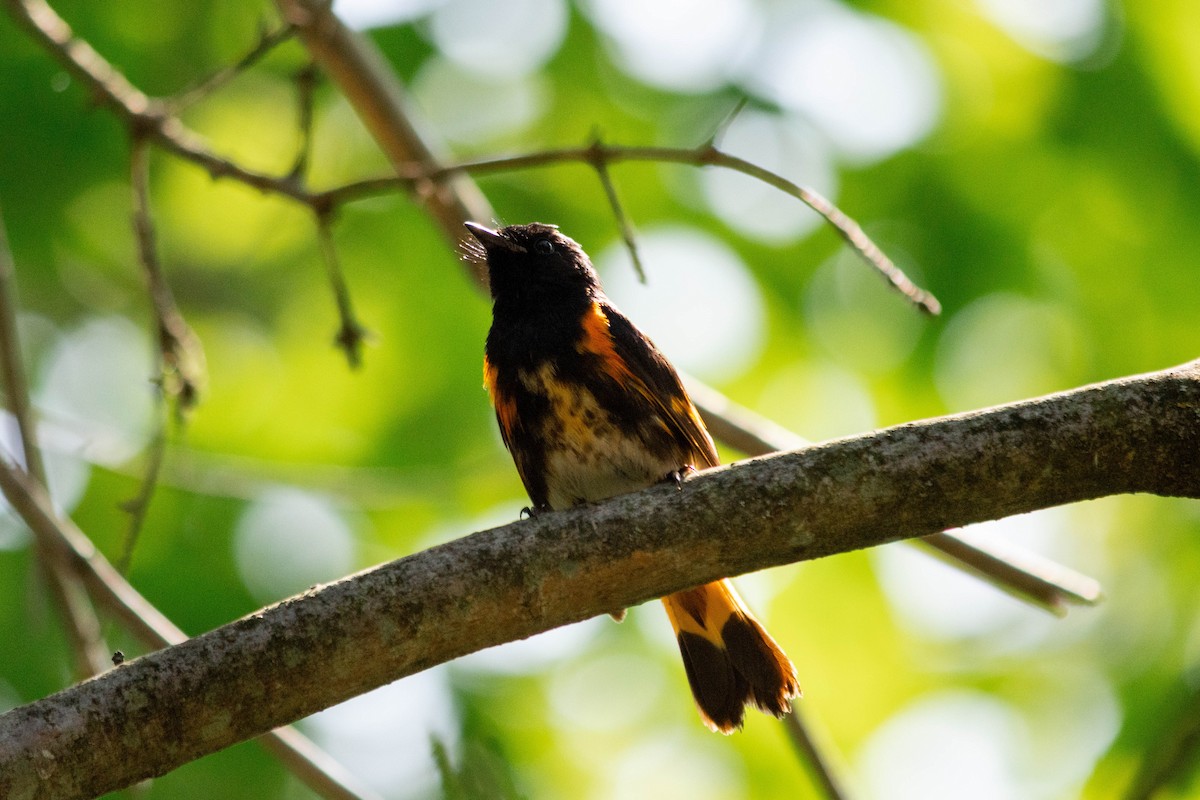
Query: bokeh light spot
[[383, 737], [858, 318], [363, 14], [818, 401], [869, 85], [700, 304], [287, 541], [1003, 348], [672, 767], [938, 600], [606, 692], [684, 45], [786, 146], [946, 746], [465, 107], [1062, 30], [97, 383], [508, 39], [527, 656]]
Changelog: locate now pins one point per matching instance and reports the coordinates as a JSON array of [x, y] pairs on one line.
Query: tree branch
[[1138, 434]]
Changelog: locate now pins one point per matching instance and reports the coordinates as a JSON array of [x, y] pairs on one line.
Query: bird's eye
[[544, 246]]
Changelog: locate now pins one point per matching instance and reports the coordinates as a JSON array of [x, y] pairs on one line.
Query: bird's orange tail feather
[[730, 659]]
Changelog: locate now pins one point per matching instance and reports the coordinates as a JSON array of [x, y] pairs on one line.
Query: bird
[[589, 408]]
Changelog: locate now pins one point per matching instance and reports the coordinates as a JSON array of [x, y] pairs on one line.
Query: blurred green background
[[1035, 164]]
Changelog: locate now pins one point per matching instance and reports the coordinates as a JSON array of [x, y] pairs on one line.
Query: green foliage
[[1051, 206]]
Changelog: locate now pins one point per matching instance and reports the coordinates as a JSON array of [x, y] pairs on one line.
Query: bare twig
[[824, 774], [737, 426], [1174, 754], [1023, 574], [181, 355], [306, 87], [268, 40], [719, 132], [845, 225], [79, 619], [1136, 434], [16, 386], [103, 581], [351, 333], [359, 70], [139, 505], [148, 118], [614, 202]]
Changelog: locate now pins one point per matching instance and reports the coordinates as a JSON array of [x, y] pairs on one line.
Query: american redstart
[[589, 409]]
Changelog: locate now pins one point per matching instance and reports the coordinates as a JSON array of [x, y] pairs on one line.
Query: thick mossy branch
[[157, 712]]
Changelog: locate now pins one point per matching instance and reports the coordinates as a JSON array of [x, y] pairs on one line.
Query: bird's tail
[[731, 661]]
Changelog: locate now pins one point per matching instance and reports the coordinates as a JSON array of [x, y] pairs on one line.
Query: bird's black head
[[534, 262]]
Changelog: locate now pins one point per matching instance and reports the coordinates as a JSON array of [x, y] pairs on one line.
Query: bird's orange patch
[[597, 340], [506, 409], [684, 407], [703, 610]]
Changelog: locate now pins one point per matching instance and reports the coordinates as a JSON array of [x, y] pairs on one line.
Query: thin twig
[[179, 355], [148, 118], [139, 505], [719, 132], [1024, 574], [87, 647], [16, 386], [182, 357], [614, 202], [267, 41], [814, 755], [844, 224], [351, 334], [306, 87], [1174, 754]]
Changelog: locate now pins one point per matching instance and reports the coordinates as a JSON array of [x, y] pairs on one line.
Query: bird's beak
[[491, 239]]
